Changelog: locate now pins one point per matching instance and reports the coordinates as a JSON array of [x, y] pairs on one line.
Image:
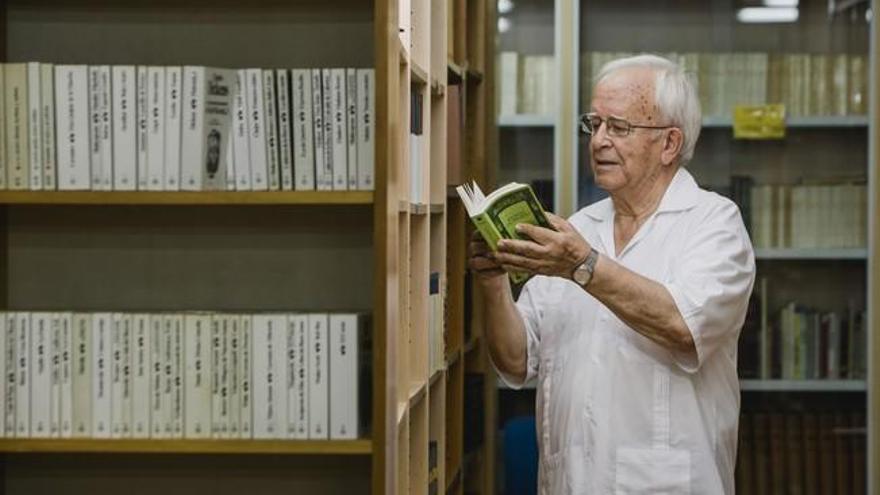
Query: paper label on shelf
[[759, 122]]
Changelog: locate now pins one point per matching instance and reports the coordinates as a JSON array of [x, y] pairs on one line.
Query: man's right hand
[[482, 262]]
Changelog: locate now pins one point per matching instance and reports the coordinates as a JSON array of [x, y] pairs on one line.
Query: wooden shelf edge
[[438, 88], [419, 74], [403, 54], [435, 376], [453, 358], [454, 73], [474, 75], [417, 392], [437, 208], [186, 197], [187, 446]]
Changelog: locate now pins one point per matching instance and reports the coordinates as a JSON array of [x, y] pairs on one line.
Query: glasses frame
[[584, 119]]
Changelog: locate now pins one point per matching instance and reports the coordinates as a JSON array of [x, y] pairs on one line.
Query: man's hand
[[482, 262], [554, 253]]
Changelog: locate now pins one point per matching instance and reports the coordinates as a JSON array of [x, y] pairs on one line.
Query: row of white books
[[191, 128], [183, 375], [807, 84], [526, 84], [809, 216]]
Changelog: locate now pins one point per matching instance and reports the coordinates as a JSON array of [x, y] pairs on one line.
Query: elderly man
[[631, 322]]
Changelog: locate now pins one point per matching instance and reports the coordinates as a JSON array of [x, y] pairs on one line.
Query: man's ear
[[672, 146]]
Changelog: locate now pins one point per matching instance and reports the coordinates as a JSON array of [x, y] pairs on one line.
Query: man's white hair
[[675, 96]]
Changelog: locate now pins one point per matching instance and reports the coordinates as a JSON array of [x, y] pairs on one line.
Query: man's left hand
[[549, 252]]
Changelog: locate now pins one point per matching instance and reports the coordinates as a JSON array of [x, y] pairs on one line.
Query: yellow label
[[759, 122]]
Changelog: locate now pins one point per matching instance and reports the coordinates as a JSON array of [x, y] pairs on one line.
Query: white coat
[[616, 412]]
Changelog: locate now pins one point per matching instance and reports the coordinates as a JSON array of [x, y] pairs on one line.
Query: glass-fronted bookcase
[[804, 353]]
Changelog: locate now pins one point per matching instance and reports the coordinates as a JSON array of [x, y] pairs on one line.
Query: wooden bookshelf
[[188, 446], [187, 198]]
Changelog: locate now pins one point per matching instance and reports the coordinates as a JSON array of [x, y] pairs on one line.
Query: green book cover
[[497, 215]]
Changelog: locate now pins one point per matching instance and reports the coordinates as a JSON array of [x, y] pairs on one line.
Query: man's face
[[621, 162]]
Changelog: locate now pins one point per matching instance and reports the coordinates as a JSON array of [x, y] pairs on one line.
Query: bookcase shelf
[[812, 254], [419, 74], [189, 446], [526, 120], [455, 73], [187, 198], [800, 122]]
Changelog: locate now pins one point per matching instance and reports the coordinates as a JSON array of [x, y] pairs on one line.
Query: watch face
[[581, 275]]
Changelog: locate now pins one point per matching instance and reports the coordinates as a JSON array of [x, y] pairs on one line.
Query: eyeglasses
[[614, 126]]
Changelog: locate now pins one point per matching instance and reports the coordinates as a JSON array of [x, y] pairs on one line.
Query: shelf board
[[474, 75], [417, 392], [800, 122], [419, 74], [526, 120], [435, 376], [187, 197], [437, 208], [776, 385], [812, 254], [438, 88], [418, 208], [453, 358], [454, 73], [187, 446], [804, 385], [403, 53]]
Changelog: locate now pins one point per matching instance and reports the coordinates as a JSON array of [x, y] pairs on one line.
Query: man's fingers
[[524, 248], [534, 232], [559, 223]]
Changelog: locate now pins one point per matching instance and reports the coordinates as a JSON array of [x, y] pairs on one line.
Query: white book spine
[[351, 136], [245, 374], [284, 144], [106, 127], [234, 356], [40, 379], [365, 129], [271, 125], [124, 128], [318, 369], [55, 381], [297, 381], [257, 141], [120, 376], [197, 407], [4, 393], [101, 359], [269, 335], [223, 416], [167, 375], [344, 350], [143, 118], [303, 129], [66, 374], [10, 369], [218, 91], [230, 155], [176, 413], [35, 145], [241, 133], [216, 371], [339, 108], [127, 402], [193, 128], [173, 111], [72, 124], [323, 181], [47, 123], [23, 385], [328, 121], [82, 375], [3, 156], [95, 154], [141, 371], [156, 128], [157, 373], [17, 143]]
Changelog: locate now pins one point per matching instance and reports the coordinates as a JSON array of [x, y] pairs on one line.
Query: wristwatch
[[584, 273]]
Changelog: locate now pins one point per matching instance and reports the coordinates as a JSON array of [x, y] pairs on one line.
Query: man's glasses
[[614, 126]]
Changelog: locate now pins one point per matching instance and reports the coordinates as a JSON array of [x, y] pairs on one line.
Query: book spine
[[233, 366], [156, 128], [271, 126], [176, 408], [40, 376], [82, 375], [4, 391], [193, 128], [198, 391], [167, 413], [257, 141], [365, 128], [72, 123], [297, 416], [317, 372], [245, 374], [10, 374], [95, 155], [124, 128], [173, 119], [127, 380], [323, 182], [284, 144], [339, 108], [143, 118], [3, 156], [219, 89], [65, 395], [116, 378], [303, 130], [55, 381], [141, 371], [17, 164], [101, 359], [157, 353], [23, 385], [106, 128], [241, 133], [328, 119], [351, 136], [47, 121], [262, 383], [34, 120], [216, 372], [344, 351]]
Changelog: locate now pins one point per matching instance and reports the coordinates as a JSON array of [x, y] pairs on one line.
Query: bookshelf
[[371, 251]]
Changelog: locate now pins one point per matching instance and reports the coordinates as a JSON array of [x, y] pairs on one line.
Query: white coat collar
[[681, 194]]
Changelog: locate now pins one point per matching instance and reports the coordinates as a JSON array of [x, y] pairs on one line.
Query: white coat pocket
[[655, 471]]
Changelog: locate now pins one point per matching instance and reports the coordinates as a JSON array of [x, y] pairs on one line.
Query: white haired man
[[631, 323]]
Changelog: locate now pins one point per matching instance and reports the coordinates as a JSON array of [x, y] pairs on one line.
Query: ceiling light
[[505, 6], [767, 14]]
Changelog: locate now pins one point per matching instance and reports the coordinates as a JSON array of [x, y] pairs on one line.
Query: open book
[[497, 214]]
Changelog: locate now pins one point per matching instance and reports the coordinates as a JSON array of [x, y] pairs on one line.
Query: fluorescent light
[[505, 6], [767, 14], [780, 3], [503, 24]]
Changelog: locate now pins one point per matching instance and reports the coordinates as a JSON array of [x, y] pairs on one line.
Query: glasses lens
[[618, 127], [593, 123]]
